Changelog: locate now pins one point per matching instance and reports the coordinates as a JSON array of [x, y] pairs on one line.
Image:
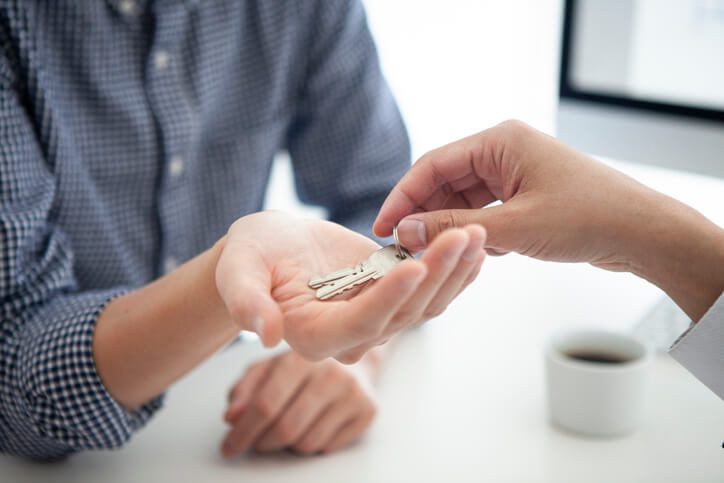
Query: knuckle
[[266, 407], [331, 376], [515, 129], [447, 220], [357, 394], [286, 429], [513, 125], [306, 447]]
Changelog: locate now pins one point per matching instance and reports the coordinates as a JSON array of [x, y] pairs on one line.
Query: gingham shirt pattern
[[132, 134]]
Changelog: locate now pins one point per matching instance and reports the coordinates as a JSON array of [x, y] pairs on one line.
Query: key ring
[[398, 247]]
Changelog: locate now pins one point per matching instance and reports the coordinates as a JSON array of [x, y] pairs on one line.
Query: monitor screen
[[656, 55]]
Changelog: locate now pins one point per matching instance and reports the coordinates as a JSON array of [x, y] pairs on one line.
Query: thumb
[[501, 222], [244, 284]]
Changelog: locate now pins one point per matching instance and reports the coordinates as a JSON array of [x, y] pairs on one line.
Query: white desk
[[460, 400]]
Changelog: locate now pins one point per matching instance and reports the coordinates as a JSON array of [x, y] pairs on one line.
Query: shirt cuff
[[65, 397], [701, 348]]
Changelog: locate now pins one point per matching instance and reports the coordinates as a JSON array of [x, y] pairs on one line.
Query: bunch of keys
[[377, 265]]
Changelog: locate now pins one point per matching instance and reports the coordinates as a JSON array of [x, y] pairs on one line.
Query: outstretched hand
[[557, 205], [269, 258]]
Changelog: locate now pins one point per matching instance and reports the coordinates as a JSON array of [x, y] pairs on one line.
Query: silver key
[[377, 265], [334, 276]]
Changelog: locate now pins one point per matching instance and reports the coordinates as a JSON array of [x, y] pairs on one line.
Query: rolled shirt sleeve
[[701, 348], [53, 401]]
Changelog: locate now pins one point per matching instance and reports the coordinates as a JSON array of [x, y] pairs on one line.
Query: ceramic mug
[[597, 381]]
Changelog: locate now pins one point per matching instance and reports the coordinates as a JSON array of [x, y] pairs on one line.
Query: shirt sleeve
[[348, 143], [701, 348], [52, 401]]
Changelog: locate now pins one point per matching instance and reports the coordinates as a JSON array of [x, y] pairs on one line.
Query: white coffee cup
[[597, 381]]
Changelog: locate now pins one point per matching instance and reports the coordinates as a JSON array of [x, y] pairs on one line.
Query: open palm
[[270, 257]]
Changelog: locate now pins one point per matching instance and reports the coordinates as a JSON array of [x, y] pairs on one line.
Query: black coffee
[[600, 357]]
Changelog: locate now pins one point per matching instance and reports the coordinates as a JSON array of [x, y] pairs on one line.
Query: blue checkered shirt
[[132, 134]]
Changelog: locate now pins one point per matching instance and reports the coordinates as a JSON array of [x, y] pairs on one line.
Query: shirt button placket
[[167, 97]]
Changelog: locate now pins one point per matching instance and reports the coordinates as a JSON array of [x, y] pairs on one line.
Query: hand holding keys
[[377, 265], [264, 271]]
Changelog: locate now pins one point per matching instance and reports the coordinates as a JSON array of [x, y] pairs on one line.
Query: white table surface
[[461, 399]]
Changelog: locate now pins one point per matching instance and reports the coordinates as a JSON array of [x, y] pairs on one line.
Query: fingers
[[435, 175], [287, 376], [244, 284], [364, 317], [460, 276], [428, 176], [328, 383], [474, 272], [242, 392], [393, 302], [348, 434], [503, 224], [442, 260], [356, 406]]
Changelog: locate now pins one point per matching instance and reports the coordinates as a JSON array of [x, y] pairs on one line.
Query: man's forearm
[[682, 252], [146, 340]]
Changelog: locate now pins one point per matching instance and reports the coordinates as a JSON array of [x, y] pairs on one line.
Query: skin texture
[[307, 407], [255, 279], [558, 205]]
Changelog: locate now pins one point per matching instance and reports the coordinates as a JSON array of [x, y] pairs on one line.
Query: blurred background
[[631, 80], [457, 67]]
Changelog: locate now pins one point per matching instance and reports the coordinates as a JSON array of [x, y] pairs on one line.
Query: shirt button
[[170, 264], [176, 166], [160, 59], [127, 7]]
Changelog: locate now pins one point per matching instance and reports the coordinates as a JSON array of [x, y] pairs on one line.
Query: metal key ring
[[398, 247]]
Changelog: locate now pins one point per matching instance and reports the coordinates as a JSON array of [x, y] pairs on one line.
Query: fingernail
[[412, 234]]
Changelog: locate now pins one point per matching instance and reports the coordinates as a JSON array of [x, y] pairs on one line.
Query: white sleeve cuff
[[701, 348]]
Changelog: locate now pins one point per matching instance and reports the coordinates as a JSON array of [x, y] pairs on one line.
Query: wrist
[[145, 340], [680, 251]]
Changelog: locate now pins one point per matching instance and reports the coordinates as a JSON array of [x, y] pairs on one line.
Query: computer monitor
[[643, 80]]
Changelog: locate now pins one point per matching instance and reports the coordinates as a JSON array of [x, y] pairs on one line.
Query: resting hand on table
[[268, 259], [288, 402], [558, 205]]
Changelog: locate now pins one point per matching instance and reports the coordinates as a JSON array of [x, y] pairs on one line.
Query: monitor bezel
[[568, 91]]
